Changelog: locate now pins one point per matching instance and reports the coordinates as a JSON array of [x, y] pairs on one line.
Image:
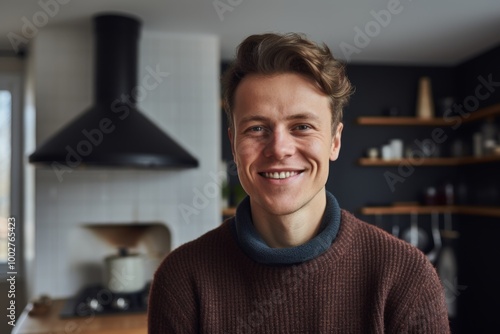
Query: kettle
[[124, 272]]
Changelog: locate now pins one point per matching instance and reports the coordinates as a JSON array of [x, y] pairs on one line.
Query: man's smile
[[279, 174]]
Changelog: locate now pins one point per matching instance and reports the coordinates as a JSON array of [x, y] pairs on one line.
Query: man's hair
[[270, 54]]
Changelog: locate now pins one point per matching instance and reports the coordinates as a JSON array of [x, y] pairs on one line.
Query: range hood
[[113, 132]]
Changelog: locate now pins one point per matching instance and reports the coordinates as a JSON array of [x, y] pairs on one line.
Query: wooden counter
[[103, 324]]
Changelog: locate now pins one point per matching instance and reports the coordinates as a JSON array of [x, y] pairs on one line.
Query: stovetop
[[98, 300]]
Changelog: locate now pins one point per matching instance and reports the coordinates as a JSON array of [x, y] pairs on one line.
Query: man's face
[[282, 141]]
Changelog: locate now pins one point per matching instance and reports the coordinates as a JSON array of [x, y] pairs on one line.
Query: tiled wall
[[185, 105]]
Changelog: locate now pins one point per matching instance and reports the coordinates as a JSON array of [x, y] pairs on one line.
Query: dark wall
[[479, 243], [379, 88], [484, 65]]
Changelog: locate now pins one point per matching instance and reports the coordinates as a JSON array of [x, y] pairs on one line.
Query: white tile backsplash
[[185, 105]]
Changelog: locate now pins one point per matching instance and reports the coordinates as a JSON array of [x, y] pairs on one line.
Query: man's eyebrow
[[253, 118], [303, 116], [298, 116]]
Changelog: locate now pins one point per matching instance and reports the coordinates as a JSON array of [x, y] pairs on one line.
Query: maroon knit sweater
[[366, 282]]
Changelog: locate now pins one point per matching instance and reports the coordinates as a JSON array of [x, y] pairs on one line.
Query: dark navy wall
[[379, 88], [479, 250]]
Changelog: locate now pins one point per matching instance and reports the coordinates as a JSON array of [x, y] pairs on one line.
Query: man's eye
[[256, 128], [302, 127]]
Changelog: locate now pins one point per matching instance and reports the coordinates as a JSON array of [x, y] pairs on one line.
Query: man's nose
[[280, 145]]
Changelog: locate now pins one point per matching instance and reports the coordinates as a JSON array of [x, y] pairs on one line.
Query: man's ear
[[336, 140]]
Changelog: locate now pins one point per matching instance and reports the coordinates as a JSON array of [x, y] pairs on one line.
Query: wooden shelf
[[399, 120], [490, 211], [483, 113], [429, 161]]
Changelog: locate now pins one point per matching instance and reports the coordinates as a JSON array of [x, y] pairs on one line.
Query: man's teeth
[[280, 175]]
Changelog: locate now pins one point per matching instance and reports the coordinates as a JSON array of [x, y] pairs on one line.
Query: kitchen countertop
[[103, 324]]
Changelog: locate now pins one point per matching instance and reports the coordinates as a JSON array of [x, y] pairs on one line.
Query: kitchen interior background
[[186, 105]]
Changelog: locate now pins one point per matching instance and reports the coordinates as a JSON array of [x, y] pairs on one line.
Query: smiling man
[[291, 260], [282, 138]]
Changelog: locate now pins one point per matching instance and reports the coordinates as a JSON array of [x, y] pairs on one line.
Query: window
[[10, 162], [5, 168]]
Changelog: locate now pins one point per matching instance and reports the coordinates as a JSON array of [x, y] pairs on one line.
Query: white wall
[[185, 105]]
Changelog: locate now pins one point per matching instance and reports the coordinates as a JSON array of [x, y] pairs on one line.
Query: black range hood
[[113, 132]]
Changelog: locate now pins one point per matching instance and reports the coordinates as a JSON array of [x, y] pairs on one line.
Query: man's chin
[[281, 208]]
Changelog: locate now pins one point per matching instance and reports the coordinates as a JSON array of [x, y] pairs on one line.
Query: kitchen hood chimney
[[113, 132]]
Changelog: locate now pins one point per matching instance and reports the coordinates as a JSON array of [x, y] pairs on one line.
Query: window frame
[[12, 82]]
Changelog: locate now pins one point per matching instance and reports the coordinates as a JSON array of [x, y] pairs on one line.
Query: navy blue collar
[[255, 247]]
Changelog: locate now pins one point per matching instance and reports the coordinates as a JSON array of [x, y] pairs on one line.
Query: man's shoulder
[[378, 242], [389, 260], [209, 247], [406, 279], [189, 264]]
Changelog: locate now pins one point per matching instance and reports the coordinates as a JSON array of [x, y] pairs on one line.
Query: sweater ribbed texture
[[367, 281]]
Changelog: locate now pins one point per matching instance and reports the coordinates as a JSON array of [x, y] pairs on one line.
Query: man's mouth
[[279, 175]]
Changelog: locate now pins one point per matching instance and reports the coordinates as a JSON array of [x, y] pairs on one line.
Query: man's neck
[[294, 229]]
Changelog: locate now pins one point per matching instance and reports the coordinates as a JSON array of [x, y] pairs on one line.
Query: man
[[291, 261]]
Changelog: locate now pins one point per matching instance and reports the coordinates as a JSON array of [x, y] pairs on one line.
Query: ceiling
[[427, 32]]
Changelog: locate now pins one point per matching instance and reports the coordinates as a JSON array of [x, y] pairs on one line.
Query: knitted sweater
[[367, 281]]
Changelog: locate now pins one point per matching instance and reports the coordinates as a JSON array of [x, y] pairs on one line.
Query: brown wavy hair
[[270, 54]]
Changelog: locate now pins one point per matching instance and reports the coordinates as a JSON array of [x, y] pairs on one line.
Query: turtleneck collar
[[255, 247]]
